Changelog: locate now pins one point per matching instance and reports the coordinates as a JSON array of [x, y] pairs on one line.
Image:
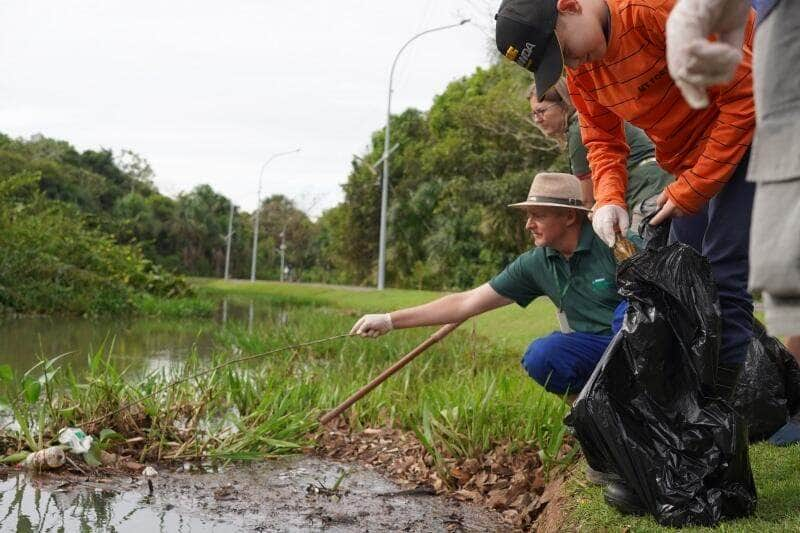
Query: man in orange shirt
[[615, 54]]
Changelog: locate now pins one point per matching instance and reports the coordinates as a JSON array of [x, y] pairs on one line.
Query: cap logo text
[[512, 53], [524, 59]]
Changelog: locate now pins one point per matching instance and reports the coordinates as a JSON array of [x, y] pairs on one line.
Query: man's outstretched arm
[[446, 310]]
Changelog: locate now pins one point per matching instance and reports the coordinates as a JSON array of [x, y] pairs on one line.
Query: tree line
[[457, 167]]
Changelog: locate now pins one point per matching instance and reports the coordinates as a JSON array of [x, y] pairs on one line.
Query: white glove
[[372, 325], [696, 63], [608, 220]]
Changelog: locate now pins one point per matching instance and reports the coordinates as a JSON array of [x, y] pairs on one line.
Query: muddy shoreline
[[371, 480], [512, 482], [288, 494]]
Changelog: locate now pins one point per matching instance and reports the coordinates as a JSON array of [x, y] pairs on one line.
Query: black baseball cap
[[526, 34]]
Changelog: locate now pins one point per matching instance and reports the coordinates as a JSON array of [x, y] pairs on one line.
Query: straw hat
[[554, 189]]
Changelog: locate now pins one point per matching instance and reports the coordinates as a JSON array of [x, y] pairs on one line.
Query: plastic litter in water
[[52, 457], [75, 439]]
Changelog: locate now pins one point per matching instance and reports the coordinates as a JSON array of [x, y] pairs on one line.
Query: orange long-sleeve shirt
[[700, 147]]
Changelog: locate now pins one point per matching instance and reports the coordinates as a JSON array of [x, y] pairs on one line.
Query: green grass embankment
[[461, 398], [509, 327], [509, 330]]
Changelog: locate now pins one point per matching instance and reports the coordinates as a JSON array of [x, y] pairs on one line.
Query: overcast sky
[[208, 90]]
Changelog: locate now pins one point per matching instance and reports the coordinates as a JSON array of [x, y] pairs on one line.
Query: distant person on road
[[570, 265], [556, 118]]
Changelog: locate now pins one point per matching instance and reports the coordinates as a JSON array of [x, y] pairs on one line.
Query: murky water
[[31, 504], [293, 494], [285, 495], [152, 342]]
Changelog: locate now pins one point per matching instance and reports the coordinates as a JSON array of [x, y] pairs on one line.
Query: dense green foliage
[[52, 262], [457, 167], [114, 194]]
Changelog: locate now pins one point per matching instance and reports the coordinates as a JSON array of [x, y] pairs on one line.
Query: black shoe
[[623, 499], [596, 477]]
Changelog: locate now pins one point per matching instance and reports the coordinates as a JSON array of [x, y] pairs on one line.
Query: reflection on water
[[150, 343], [30, 506], [259, 496]]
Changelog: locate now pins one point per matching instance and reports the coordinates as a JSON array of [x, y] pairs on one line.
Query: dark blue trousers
[[721, 232], [563, 362]]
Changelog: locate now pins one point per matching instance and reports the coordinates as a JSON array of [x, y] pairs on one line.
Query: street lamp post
[[258, 210], [283, 252], [229, 238], [386, 144]]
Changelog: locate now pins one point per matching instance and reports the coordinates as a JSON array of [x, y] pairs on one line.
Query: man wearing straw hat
[[569, 264]]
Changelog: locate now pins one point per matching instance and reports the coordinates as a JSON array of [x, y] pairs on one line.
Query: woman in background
[[556, 118]]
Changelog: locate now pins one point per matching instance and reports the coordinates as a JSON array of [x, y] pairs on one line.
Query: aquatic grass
[[463, 393], [463, 396], [21, 394], [463, 412], [173, 307]]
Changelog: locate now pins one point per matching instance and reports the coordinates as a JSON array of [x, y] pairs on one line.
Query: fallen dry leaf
[[510, 483]]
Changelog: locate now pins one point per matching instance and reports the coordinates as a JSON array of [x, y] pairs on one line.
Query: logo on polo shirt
[[649, 83]]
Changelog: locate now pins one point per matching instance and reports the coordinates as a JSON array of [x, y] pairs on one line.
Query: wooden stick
[[433, 339]]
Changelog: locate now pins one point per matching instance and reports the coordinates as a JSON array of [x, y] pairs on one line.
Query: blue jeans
[[721, 232], [563, 362]]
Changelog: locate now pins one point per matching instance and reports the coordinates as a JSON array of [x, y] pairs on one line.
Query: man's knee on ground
[[538, 362]]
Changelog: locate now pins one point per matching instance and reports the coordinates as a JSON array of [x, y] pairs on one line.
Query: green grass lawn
[[462, 398], [777, 481], [510, 329]]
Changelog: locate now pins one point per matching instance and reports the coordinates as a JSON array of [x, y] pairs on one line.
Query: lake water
[[149, 342], [279, 495], [290, 494]]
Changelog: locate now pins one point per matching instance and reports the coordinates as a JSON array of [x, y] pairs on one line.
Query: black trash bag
[[768, 391], [650, 411]]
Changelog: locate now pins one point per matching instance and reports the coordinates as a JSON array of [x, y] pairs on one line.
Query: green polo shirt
[[645, 177], [587, 282]]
